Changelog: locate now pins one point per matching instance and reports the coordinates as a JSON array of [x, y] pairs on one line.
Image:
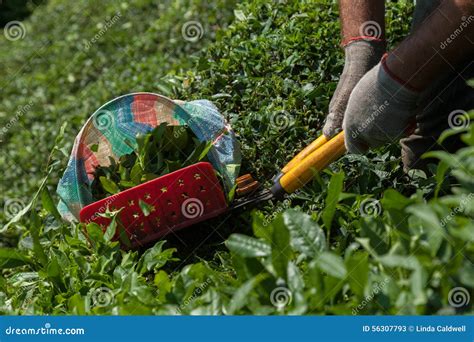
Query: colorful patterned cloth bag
[[111, 133]]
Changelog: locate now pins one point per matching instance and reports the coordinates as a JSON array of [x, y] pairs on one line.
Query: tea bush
[[362, 238]]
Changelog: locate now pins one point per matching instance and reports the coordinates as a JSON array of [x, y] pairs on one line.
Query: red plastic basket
[[178, 199]]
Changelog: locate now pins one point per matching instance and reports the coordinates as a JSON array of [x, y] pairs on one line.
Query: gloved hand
[[360, 56], [380, 110]]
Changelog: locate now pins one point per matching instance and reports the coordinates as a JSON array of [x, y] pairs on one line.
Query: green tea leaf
[[109, 186], [358, 270], [241, 296], [306, 235], [11, 258], [35, 228], [163, 283], [95, 233], [48, 204], [393, 260], [332, 198], [281, 249], [261, 228], [111, 229], [18, 216], [198, 154], [145, 207], [76, 304], [432, 225], [155, 257], [123, 236], [136, 173], [247, 246], [332, 264], [375, 230]]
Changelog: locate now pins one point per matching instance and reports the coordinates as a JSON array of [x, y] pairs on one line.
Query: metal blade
[[252, 199]]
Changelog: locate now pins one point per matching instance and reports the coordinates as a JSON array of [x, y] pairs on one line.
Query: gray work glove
[[361, 56], [379, 110], [438, 108]]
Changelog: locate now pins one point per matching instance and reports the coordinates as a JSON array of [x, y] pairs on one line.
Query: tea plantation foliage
[[362, 238]]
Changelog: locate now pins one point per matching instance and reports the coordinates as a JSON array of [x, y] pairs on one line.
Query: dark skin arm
[[356, 14], [426, 55], [419, 59]]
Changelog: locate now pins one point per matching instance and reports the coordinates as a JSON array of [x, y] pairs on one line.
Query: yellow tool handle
[[303, 170], [306, 152]]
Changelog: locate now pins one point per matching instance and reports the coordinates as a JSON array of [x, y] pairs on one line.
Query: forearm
[[362, 18], [444, 40]]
